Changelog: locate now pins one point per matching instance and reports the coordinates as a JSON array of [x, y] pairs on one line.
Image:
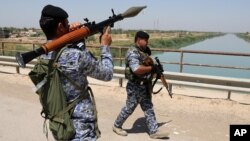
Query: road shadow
[[140, 126]]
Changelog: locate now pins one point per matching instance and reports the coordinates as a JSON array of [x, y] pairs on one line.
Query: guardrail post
[[120, 82], [3, 48], [33, 46], [181, 62], [120, 56], [170, 88], [229, 95], [17, 69]]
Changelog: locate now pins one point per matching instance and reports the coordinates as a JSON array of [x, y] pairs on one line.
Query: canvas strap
[[84, 94]]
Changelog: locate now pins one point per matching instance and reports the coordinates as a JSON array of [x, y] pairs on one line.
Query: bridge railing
[[173, 78], [120, 51]]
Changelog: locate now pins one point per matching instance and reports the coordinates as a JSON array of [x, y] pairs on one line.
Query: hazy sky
[[192, 15]]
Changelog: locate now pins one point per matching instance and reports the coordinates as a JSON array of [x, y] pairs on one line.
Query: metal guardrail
[[182, 63], [213, 82], [173, 78], [121, 50], [201, 81]]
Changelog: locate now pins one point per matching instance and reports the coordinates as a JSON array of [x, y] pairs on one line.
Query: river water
[[226, 43]]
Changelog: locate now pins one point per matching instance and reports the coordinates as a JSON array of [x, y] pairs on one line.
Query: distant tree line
[[130, 33], [6, 32], [245, 36]]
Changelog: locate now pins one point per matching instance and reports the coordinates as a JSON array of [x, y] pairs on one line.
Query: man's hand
[[106, 37], [74, 26]]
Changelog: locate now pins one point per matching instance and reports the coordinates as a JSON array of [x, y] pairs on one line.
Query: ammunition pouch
[[129, 74]]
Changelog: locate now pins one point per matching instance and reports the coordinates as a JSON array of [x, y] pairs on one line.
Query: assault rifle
[[148, 61], [161, 76], [87, 29]]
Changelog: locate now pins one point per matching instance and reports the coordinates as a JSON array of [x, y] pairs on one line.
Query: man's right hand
[[106, 38]]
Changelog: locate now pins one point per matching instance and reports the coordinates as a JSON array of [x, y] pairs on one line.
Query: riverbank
[[245, 36], [158, 39], [188, 118]]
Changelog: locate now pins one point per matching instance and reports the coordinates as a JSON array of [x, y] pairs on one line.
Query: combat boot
[[120, 131], [159, 134]]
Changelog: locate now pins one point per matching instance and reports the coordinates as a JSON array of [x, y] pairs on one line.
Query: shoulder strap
[[58, 54], [83, 90], [56, 65], [82, 96]]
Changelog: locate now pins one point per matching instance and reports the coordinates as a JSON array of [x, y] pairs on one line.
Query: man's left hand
[[74, 26]]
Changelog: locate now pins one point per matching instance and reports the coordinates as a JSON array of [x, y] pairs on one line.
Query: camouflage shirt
[[134, 58], [78, 63]]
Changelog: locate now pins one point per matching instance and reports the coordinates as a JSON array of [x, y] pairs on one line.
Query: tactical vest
[[129, 74]]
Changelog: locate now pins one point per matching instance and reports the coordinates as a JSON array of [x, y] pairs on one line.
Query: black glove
[[156, 69]]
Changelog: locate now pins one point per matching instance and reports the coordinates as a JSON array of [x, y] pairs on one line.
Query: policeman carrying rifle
[[139, 87]]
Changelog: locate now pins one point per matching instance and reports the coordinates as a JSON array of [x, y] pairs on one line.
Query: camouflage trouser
[[84, 121], [138, 94]]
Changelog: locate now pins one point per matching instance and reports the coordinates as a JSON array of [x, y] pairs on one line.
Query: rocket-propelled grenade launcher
[[88, 29]]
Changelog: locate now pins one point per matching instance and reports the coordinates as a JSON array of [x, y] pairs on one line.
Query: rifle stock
[[162, 77], [165, 84], [89, 28], [149, 62]]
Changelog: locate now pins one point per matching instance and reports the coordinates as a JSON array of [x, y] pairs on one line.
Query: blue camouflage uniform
[[138, 92], [78, 63]]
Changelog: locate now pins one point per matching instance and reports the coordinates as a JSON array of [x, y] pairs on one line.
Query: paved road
[[187, 118]]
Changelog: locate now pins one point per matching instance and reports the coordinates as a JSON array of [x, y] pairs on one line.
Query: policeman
[[139, 81], [78, 63]]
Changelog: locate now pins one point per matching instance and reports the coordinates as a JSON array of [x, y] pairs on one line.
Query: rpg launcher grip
[[88, 29]]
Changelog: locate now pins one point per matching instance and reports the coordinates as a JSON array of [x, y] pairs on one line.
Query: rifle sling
[[154, 85]]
